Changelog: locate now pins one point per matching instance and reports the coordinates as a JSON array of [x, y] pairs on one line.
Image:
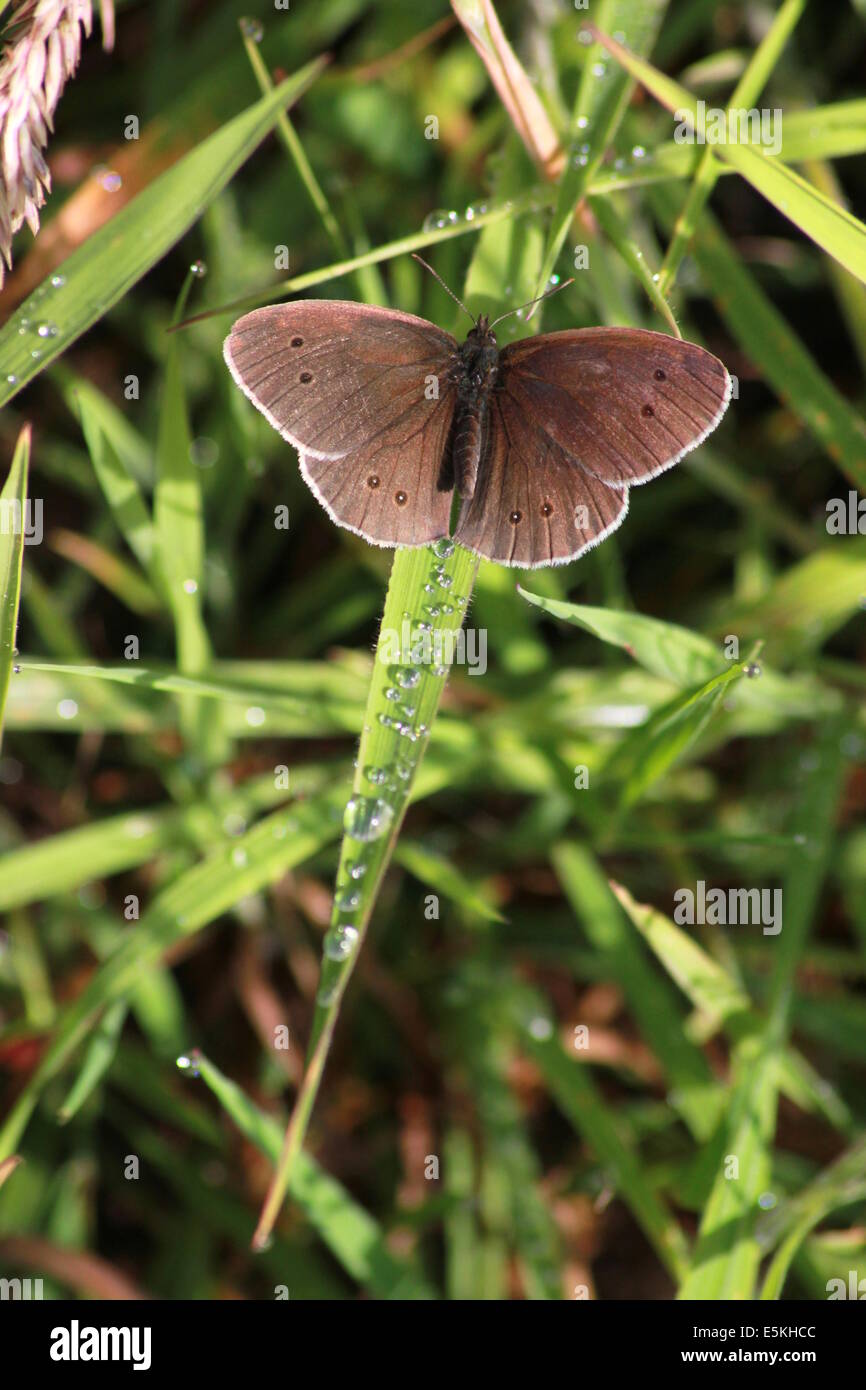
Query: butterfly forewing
[[625, 403], [367, 397]]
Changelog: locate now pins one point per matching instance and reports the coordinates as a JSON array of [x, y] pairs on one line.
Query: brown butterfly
[[541, 439]]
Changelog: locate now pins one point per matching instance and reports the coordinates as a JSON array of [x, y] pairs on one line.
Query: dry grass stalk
[[41, 52]]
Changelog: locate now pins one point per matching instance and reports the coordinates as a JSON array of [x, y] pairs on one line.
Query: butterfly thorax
[[477, 368]]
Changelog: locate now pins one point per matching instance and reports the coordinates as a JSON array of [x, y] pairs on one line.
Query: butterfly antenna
[[546, 295], [421, 261]]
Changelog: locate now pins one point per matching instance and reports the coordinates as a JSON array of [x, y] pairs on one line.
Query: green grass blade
[[350, 1233], [652, 750], [840, 1184], [100, 1054], [392, 743], [115, 258], [727, 1255], [212, 887], [774, 348], [745, 94], [828, 224], [108, 443], [574, 1091], [602, 98], [675, 653], [693, 1089], [13, 504]]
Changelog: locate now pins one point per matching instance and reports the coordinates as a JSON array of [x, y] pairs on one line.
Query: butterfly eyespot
[[546, 509], [660, 375], [400, 498], [297, 342], [515, 517], [647, 410], [305, 377], [372, 481]]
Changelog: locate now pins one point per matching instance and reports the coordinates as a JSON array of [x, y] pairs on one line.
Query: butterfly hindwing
[[533, 503]]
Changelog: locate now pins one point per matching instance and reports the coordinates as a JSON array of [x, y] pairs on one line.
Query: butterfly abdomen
[[468, 434], [479, 366]]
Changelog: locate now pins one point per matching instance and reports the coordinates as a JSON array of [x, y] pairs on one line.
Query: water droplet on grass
[[407, 677], [367, 818], [340, 943]]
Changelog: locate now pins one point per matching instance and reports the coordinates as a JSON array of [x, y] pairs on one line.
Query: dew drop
[[367, 818], [407, 677], [347, 900], [251, 28], [392, 693], [340, 944], [137, 827], [255, 716], [188, 1064], [47, 330], [67, 709], [12, 379], [443, 548], [752, 670], [582, 122], [198, 269], [357, 870], [540, 1028], [190, 586], [375, 775], [58, 281], [239, 857]]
